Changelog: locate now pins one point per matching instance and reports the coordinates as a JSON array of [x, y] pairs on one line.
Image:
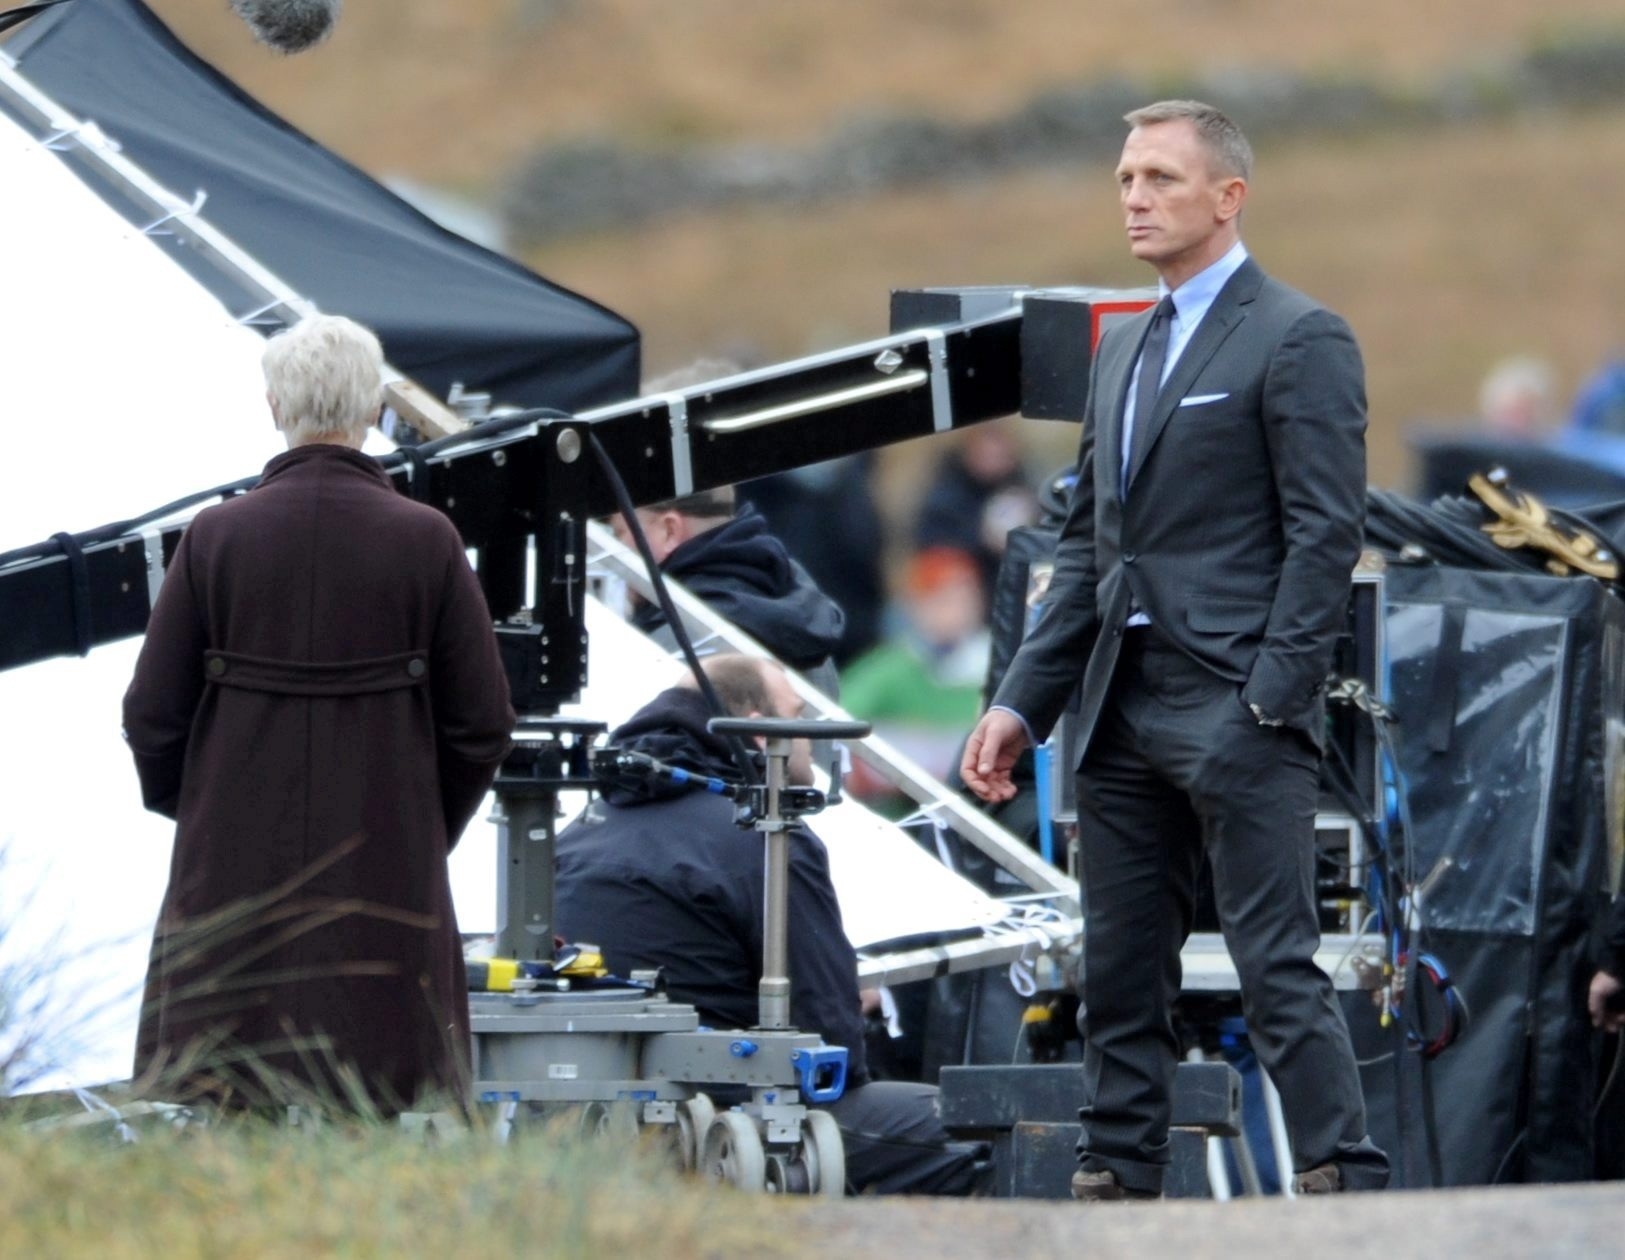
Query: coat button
[[1129, 557], [416, 668], [217, 666]]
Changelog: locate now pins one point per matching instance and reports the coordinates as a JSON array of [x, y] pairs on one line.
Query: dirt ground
[[1544, 1222]]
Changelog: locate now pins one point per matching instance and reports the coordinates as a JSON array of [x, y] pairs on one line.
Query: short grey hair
[[1226, 145], [325, 377], [741, 683], [699, 372], [703, 505]]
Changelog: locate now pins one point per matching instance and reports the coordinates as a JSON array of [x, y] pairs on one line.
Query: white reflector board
[[126, 386]]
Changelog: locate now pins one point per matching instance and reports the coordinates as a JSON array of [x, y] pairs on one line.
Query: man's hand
[[997, 741], [1603, 987]]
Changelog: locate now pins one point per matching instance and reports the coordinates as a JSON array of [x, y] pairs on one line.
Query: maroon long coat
[[321, 707]]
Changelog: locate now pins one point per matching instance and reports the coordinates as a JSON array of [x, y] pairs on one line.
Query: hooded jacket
[[658, 875], [745, 574]]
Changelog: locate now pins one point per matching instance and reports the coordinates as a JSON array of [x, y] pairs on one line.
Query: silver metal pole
[[1002, 947], [525, 855], [1218, 1172], [774, 991]]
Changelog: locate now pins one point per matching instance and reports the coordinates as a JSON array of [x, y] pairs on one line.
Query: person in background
[[923, 689], [1516, 398], [826, 516], [1599, 407], [979, 493], [321, 706], [727, 558]]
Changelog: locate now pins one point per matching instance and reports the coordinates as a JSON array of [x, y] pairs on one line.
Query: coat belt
[[316, 678]]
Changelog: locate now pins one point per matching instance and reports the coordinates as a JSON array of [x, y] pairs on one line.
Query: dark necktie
[[1152, 357]]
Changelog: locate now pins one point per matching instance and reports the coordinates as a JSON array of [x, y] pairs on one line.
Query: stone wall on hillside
[[602, 185]]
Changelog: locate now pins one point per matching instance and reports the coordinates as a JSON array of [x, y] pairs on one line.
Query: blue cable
[[719, 786], [1046, 828]]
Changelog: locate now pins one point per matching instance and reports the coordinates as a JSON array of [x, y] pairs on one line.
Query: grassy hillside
[[455, 92], [1446, 252], [1447, 249]]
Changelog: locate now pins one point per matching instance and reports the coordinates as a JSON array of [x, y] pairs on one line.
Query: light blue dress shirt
[[1191, 302]]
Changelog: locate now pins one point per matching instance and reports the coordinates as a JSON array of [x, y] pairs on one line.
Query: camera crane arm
[[521, 487]]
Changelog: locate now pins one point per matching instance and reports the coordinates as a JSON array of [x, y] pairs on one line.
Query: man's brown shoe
[[1325, 1179], [1103, 1187]]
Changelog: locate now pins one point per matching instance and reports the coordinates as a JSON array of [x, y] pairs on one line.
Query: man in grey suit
[[1200, 582]]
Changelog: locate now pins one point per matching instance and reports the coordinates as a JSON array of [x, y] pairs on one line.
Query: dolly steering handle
[[789, 728]]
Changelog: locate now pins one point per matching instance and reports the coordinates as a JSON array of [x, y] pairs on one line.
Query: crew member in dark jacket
[[826, 517], [320, 706], [729, 560], [659, 875]]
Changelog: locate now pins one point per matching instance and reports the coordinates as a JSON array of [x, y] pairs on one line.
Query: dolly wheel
[[824, 1154], [612, 1122], [733, 1153], [694, 1118], [786, 1174]]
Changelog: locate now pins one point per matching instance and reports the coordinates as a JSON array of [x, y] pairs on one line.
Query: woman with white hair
[[323, 379], [320, 705]]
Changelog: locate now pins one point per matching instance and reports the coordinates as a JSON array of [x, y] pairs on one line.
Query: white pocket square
[[1196, 400]]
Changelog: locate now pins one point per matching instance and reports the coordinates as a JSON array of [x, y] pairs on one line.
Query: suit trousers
[[1178, 765]]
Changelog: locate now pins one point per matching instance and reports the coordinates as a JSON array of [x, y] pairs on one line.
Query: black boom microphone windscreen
[[289, 26]]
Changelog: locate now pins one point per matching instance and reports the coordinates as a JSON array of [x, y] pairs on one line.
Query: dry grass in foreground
[[248, 1189]]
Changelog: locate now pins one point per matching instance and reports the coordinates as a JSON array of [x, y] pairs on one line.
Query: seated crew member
[[728, 559], [320, 705], [659, 875]]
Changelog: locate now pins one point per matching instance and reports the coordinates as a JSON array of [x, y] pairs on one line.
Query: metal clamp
[[1354, 691], [257, 315], [176, 212], [682, 466], [942, 407], [152, 540]]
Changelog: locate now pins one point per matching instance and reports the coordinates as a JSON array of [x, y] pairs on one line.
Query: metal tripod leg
[[1278, 1137], [1250, 1183], [1218, 1171]]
